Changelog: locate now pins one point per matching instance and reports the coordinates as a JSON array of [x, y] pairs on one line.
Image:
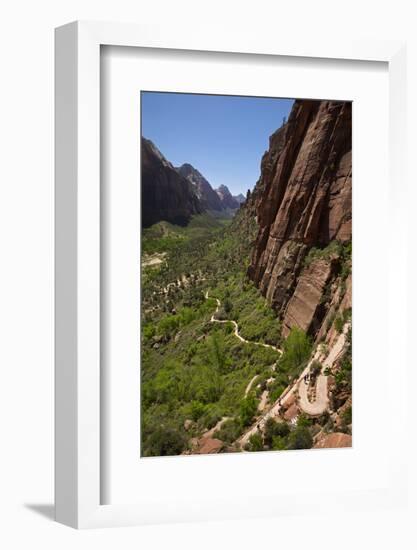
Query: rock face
[[226, 198], [304, 303], [303, 201], [239, 198], [333, 440], [166, 194], [209, 199]]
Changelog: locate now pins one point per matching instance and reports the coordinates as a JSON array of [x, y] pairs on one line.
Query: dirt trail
[[151, 260], [263, 401], [214, 429], [321, 402], [248, 387], [236, 328], [315, 408]]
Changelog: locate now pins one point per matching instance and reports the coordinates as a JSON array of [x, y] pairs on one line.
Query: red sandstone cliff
[[303, 201]]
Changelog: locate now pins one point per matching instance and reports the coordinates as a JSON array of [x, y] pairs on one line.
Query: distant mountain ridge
[[166, 194], [226, 198], [209, 199], [174, 194], [240, 198]]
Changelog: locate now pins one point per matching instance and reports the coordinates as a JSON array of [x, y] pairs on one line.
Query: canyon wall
[[303, 206], [166, 194]]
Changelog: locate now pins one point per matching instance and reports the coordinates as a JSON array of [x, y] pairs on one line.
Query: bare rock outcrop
[[333, 440], [302, 309], [226, 198], [302, 200]]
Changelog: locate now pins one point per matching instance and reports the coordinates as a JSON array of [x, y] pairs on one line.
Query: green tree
[[273, 429], [297, 349], [164, 441], [218, 353], [278, 443], [255, 443], [227, 305], [230, 430], [248, 408], [300, 438]]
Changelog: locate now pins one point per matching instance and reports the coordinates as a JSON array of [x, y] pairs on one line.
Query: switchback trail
[[321, 402], [315, 408], [236, 328]]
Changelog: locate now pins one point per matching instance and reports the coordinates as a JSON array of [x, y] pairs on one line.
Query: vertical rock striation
[[303, 200]]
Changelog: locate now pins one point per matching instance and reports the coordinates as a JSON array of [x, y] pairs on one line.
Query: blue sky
[[224, 137]]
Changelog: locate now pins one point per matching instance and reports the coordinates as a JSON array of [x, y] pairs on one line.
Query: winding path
[[314, 408], [321, 402], [236, 328], [248, 387]]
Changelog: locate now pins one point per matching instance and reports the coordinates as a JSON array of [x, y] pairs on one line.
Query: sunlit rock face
[[208, 197], [302, 200], [226, 198]]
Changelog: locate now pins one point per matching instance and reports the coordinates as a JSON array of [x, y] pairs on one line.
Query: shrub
[[164, 441], [297, 349], [248, 408], [197, 409], [338, 324], [332, 249], [273, 429], [279, 443], [315, 368], [229, 431], [148, 331], [347, 416], [300, 438], [255, 443], [304, 421], [210, 417]]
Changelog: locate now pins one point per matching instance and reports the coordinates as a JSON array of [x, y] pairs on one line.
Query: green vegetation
[[192, 369], [343, 375], [335, 249], [300, 438], [255, 443], [165, 441], [230, 430], [341, 319], [195, 372], [278, 436], [275, 429], [248, 408], [347, 416], [297, 349]]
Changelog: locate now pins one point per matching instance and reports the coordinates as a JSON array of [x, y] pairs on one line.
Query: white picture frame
[[77, 242]]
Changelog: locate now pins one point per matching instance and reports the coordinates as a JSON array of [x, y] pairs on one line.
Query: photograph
[[246, 274]]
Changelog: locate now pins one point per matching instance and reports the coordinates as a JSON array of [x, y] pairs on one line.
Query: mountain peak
[[227, 200], [204, 191]]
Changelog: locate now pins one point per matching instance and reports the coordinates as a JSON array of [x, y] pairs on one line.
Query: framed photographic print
[[221, 206]]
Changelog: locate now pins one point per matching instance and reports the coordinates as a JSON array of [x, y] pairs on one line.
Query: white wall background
[[26, 272]]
